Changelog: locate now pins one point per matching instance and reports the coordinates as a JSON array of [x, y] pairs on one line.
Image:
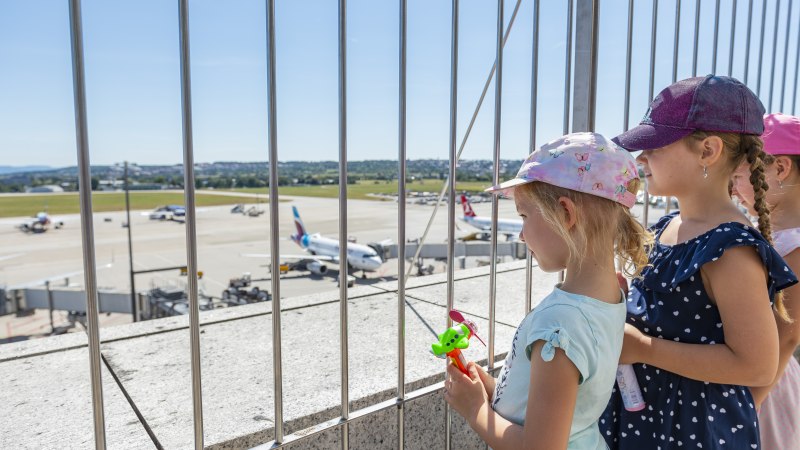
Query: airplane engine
[[317, 268]]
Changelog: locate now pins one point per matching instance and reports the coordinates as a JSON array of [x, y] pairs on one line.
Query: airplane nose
[[375, 262]]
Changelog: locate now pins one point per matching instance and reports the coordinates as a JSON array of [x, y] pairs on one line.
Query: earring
[[705, 172], [780, 184]]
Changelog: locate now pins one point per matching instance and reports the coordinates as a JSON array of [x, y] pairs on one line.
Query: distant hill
[[20, 169]]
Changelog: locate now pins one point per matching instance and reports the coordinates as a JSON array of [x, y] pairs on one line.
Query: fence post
[[584, 99]]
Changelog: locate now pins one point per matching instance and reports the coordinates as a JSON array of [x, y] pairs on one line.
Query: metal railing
[[579, 94]]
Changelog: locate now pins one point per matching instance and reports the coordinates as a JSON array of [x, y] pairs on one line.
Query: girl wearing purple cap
[[700, 322], [574, 195], [779, 416]]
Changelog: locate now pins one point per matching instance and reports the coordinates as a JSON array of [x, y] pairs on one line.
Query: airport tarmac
[[223, 239]]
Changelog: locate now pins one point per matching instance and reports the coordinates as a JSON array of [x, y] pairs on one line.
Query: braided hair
[[750, 148]]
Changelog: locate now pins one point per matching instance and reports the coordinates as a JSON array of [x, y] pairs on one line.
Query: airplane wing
[[332, 259]]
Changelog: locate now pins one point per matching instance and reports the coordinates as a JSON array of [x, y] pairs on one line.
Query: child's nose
[[521, 237]]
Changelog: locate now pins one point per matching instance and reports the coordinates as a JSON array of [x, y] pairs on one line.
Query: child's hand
[[465, 394], [633, 345], [489, 382]]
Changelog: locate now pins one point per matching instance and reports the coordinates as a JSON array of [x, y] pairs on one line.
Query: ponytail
[[632, 242], [753, 148]]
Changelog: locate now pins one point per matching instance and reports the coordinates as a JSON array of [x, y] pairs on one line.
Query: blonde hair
[[747, 147], [599, 221]]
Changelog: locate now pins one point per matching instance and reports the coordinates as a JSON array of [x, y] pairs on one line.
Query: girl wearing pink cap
[[574, 195], [779, 415]]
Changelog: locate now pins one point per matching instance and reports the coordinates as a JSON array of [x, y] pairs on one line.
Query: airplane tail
[[298, 223], [468, 212]]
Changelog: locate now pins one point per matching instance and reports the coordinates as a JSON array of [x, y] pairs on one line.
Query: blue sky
[[133, 84]]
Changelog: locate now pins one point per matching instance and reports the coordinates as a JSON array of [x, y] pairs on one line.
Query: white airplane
[[40, 223], [321, 250], [509, 227]]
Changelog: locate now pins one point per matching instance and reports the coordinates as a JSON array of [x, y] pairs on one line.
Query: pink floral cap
[[583, 162], [781, 134]]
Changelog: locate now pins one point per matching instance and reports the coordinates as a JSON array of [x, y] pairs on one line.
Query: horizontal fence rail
[[579, 96]]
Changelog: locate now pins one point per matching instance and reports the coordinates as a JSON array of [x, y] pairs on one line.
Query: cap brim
[[648, 137], [507, 187]]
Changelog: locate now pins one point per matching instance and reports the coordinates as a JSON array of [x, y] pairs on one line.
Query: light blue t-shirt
[[590, 332]]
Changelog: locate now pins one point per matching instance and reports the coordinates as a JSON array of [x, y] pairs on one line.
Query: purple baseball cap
[[710, 103]]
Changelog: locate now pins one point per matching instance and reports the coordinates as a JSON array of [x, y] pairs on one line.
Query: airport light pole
[[130, 245]]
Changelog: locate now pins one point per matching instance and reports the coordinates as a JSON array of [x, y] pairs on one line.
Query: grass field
[[361, 189], [29, 205]]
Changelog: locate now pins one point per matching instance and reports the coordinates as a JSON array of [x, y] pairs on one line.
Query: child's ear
[[711, 149], [569, 209], [783, 166]]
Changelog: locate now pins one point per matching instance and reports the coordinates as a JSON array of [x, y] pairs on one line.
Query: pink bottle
[[629, 388]]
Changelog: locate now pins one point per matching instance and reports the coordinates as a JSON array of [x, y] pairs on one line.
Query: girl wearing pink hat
[[779, 416], [574, 195]]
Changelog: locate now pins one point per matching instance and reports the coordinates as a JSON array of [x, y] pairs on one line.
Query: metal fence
[[580, 94]]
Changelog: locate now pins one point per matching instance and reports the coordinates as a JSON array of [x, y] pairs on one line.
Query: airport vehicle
[[168, 212], [321, 250], [166, 301], [238, 294], [253, 211], [40, 223], [508, 227]]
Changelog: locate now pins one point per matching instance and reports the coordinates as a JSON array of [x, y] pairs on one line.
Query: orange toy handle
[[458, 359]]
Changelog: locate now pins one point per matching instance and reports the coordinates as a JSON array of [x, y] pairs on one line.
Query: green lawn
[[362, 188], [29, 205]]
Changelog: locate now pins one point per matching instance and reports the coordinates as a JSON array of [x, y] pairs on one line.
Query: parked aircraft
[[40, 223], [508, 227], [322, 250]]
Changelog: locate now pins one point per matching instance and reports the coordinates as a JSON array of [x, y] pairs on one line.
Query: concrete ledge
[[151, 361]]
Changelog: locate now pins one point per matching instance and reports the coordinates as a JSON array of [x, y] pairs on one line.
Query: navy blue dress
[[670, 302]]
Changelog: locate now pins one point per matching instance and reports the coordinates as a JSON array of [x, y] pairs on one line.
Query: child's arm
[[551, 402], [749, 356], [788, 333]]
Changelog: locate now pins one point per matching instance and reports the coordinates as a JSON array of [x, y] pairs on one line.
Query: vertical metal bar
[[733, 39], [786, 52], [87, 224], [628, 56], [774, 51], [796, 72], [274, 240], [191, 223], [761, 47], [716, 39], [532, 146], [451, 189], [676, 41], [696, 40], [675, 66], [134, 313], [586, 30], [401, 230], [650, 91], [50, 306], [568, 67], [567, 84], [498, 97], [747, 41], [343, 264]]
